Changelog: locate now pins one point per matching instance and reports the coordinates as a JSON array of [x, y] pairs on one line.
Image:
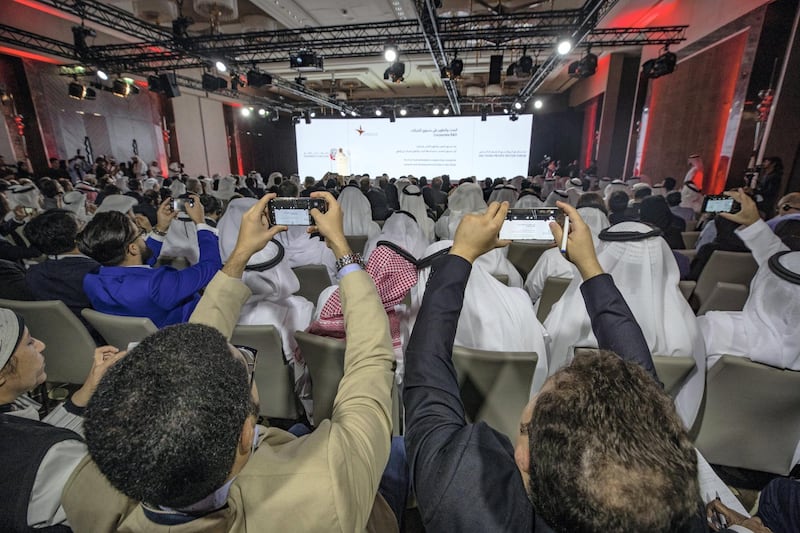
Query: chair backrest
[[502, 278], [119, 331], [324, 358], [673, 371], [273, 377], [690, 239], [523, 255], [357, 242], [725, 297], [730, 267], [495, 386], [313, 280], [552, 291], [70, 348], [686, 287], [750, 417]]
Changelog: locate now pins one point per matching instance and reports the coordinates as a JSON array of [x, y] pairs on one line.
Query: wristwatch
[[349, 259]]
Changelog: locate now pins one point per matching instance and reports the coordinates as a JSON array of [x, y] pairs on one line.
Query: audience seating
[[495, 386], [69, 350], [686, 287], [551, 292], [324, 358], [725, 297], [690, 254], [313, 280], [273, 377], [728, 267], [502, 278], [750, 417], [119, 331], [691, 225], [690, 239], [523, 255], [357, 243]]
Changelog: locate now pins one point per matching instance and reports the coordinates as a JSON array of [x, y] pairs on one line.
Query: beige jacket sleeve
[[361, 421], [221, 304]]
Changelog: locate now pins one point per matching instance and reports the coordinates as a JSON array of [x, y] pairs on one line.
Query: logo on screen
[[360, 131]]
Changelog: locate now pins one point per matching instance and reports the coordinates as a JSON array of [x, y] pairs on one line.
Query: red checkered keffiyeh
[[393, 276]]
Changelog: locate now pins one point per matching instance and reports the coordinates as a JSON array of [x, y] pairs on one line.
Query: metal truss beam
[[430, 30], [32, 41]]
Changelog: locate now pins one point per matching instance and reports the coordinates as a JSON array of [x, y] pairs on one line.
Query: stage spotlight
[[660, 66], [396, 72], [403, 111], [313, 114], [564, 47], [524, 65], [102, 75], [378, 111], [390, 52], [246, 111], [583, 68], [446, 111], [537, 104], [307, 116], [220, 66], [258, 79], [436, 110], [81, 92], [213, 83], [456, 66], [392, 115], [505, 110], [517, 105], [354, 113], [262, 112], [484, 114], [513, 117], [343, 113], [123, 89], [306, 61]]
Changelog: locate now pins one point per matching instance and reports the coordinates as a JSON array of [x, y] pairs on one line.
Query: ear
[[522, 457], [2, 379], [246, 436], [133, 250]]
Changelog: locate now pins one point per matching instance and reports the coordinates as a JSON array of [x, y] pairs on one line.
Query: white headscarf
[[181, 240], [647, 275], [302, 249], [411, 201], [271, 180], [177, 187], [504, 193], [556, 196], [273, 300], [614, 186], [150, 184], [121, 181], [529, 201], [494, 317], [226, 188], [26, 195], [766, 329], [552, 263], [357, 213], [467, 198], [75, 202], [403, 231]]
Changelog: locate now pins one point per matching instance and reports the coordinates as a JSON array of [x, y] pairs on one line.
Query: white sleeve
[[761, 241], [62, 418], [44, 507]]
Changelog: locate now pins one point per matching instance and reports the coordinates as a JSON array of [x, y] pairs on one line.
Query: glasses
[[141, 233], [250, 355], [788, 207]]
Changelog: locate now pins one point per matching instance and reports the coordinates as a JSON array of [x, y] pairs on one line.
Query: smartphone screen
[[294, 211], [718, 204], [529, 224]]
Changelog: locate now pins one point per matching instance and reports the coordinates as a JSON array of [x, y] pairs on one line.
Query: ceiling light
[[343, 113], [102, 75], [221, 66], [123, 89], [245, 111], [258, 79], [660, 66], [537, 104], [446, 111], [81, 92], [505, 110], [390, 52], [353, 113], [403, 111], [518, 105], [564, 47], [313, 114], [262, 112], [378, 112], [436, 110], [584, 67]]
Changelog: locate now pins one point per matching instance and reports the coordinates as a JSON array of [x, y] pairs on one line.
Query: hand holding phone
[[530, 224], [179, 204], [294, 211], [714, 203]]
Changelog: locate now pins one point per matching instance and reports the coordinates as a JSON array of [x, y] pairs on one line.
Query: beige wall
[[202, 140]]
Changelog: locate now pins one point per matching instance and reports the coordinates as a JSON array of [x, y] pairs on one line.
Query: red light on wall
[[28, 55]]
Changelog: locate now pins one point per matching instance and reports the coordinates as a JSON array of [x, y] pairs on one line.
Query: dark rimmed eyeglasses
[[788, 207], [249, 355]]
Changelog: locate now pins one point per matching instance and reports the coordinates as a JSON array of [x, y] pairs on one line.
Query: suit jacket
[[324, 481], [464, 475]]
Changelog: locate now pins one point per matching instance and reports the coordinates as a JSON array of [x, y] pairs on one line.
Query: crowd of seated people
[[197, 256]]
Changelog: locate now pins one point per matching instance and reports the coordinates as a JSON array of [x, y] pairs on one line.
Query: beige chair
[[673, 371], [495, 386], [502, 278], [69, 348], [324, 358], [750, 417], [357, 242], [686, 287], [119, 331], [725, 297], [523, 255], [728, 267], [551, 292], [690, 239], [691, 225], [273, 377], [313, 280]]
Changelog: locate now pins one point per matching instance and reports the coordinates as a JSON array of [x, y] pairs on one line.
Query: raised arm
[[754, 232], [612, 320]]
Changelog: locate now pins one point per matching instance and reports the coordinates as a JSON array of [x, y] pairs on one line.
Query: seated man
[[60, 277], [172, 432], [127, 286], [38, 457], [600, 447]]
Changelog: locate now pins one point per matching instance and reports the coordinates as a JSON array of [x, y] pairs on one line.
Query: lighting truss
[[32, 41], [428, 24]]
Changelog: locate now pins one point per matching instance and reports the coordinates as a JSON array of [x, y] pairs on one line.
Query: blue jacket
[[164, 295]]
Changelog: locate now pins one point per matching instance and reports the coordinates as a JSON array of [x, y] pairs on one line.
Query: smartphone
[[179, 204], [720, 204], [530, 224], [29, 210], [294, 211]]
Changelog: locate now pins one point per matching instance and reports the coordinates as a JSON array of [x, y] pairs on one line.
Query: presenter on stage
[[342, 163]]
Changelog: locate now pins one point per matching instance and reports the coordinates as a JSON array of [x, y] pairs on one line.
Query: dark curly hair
[[52, 232], [165, 421]]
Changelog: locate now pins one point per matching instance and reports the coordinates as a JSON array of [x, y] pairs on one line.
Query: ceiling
[[353, 78]]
